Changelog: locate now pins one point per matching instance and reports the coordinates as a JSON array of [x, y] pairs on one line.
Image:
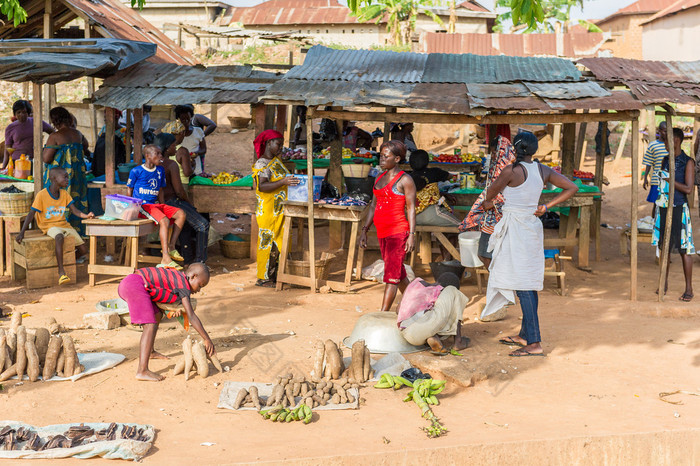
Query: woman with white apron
[[517, 243]]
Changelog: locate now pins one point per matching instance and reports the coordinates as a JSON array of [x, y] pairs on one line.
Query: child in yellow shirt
[[52, 205]]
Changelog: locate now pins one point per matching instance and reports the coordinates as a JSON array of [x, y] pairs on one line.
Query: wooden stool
[[424, 244], [625, 240], [8, 224], [35, 259], [555, 270]]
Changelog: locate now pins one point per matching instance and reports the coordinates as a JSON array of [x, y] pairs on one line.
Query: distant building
[[626, 27], [329, 22], [673, 33]]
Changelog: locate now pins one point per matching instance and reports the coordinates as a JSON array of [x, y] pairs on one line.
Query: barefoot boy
[[145, 182], [141, 290], [50, 208]]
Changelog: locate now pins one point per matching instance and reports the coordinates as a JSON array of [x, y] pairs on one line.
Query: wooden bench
[[9, 224], [35, 259], [424, 246], [625, 240]]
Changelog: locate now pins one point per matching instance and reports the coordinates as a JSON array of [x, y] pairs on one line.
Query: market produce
[[41, 341], [27, 439], [16, 321], [21, 354], [71, 357], [52, 357], [334, 360], [282, 414], [318, 360], [254, 398], [195, 355], [3, 351], [33, 368], [53, 326], [224, 178], [189, 361], [455, 158], [357, 363], [199, 354]]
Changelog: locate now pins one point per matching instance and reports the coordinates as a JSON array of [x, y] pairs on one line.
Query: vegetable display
[[195, 355], [27, 439], [281, 414]]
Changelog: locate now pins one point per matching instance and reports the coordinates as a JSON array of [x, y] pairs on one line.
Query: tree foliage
[[539, 15], [15, 14], [400, 15]]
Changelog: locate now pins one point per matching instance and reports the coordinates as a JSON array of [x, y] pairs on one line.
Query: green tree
[[400, 15], [539, 15], [13, 11]]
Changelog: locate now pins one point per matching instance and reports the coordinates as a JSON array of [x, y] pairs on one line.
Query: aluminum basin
[[381, 334]]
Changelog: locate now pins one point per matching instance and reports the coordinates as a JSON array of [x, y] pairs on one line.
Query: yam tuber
[[318, 360], [60, 364], [12, 344], [41, 342], [366, 365], [53, 326], [8, 358], [70, 356], [358, 355], [11, 372], [215, 360], [33, 369], [179, 366], [255, 398], [3, 351], [21, 354], [199, 354], [16, 321], [79, 368], [52, 353], [333, 360], [187, 351], [242, 393], [335, 399]]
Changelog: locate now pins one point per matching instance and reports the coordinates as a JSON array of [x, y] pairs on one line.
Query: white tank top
[[526, 196]]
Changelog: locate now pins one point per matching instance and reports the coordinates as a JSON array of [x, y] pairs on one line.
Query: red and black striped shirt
[[165, 285]]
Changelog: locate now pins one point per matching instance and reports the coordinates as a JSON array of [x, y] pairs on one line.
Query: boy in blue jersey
[[145, 182]]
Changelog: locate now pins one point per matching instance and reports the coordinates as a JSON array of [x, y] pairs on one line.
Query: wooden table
[[344, 214], [9, 224], [133, 229]]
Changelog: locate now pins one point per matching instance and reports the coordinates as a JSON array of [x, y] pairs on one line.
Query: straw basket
[[356, 170], [15, 203], [239, 122], [236, 249], [300, 266]]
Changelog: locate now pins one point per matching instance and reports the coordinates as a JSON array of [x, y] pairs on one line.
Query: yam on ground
[[358, 355], [242, 393], [318, 359], [9, 373], [309, 402], [52, 354], [70, 356], [16, 320], [215, 360], [179, 366], [53, 326], [199, 354], [60, 364], [8, 358], [335, 399], [366, 365], [41, 342], [3, 351], [255, 398], [21, 354], [333, 360], [187, 351], [79, 368], [33, 369], [12, 344], [277, 394]]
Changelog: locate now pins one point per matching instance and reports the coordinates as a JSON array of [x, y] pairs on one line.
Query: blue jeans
[[198, 223], [530, 327]]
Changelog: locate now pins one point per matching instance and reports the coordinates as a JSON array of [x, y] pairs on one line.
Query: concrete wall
[[627, 36], [463, 25], [673, 37], [352, 35]]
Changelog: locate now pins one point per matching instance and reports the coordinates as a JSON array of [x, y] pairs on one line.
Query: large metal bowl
[[381, 334]]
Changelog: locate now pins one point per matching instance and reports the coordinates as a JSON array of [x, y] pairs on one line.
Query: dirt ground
[[594, 399]]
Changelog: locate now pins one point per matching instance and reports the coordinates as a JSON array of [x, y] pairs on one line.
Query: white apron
[[517, 244]]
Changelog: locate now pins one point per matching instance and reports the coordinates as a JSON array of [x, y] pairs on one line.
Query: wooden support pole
[[568, 153], [127, 139], [215, 113], [669, 210], [634, 210], [387, 122], [598, 181], [280, 118], [110, 125], [556, 142], [48, 34], [138, 135], [580, 151], [38, 138], [310, 203], [623, 142], [335, 177], [91, 91], [259, 118], [293, 117]]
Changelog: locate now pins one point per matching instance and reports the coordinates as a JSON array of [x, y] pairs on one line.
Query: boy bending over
[[150, 285], [145, 182], [50, 208]]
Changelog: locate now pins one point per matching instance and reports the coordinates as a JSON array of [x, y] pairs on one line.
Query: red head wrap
[[261, 141]]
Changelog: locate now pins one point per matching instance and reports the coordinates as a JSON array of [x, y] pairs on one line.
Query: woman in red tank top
[[393, 211]]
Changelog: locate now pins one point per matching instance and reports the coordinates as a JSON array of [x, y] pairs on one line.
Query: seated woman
[[431, 312], [19, 135], [175, 195], [191, 137], [64, 149]]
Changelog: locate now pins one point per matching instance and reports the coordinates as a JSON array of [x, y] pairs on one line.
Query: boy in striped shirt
[[150, 285], [653, 157]]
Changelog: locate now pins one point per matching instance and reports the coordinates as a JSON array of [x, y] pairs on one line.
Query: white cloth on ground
[[440, 320], [517, 244]]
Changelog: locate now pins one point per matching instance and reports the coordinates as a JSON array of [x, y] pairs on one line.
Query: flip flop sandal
[[134, 327], [266, 283], [510, 342], [524, 354], [440, 353], [171, 265], [176, 255], [63, 279], [686, 298]]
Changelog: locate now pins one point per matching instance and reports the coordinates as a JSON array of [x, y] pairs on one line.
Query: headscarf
[[478, 218], [260, 142]]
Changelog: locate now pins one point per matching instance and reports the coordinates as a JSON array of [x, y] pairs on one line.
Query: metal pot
[[381, 334]]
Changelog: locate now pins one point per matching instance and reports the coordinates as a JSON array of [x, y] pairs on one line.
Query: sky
[[592, 9]]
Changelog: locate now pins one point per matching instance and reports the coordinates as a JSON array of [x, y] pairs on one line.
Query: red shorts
[[393, 254], [159, 211]]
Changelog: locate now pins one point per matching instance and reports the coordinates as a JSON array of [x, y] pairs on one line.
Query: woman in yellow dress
[[271, 179]]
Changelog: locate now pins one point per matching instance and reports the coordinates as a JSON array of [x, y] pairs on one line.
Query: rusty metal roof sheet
[[167, 84], [677, 6], [487, 91], [617, 100], [110, 18], [641, 7], [292, 12], [655, 93], [567, 91], [53, 60]]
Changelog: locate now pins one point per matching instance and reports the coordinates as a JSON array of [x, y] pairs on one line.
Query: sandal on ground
[[508, 341], [63, 279], [266, 283], [685, 297], [171, 265], [134, 327], [176, 255], [521, 353]]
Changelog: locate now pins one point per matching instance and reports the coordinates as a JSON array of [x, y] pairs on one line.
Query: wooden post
[[48, 34], [110, 125], [556, 141], [387, 124], [259, 118], [633, 209], [669, 210], [310, 203], [127, 139], [215, 113], [623, 142], [138, 135], [280, 118], [580, 148], [38, 138], [568, 154], [598, 181], [293, 117], [335, 177], [91, 92]]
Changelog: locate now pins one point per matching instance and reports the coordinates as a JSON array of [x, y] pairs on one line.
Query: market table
[[345, 214]]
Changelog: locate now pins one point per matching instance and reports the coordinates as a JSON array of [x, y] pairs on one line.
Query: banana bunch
[[280, 414], [224, 178], [391, 381], [427, 389]]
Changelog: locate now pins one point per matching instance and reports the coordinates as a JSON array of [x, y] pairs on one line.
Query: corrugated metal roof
[[567, 91], [676, 7], [293, 12], [641, 7], [473, 6], [617, 100], [487, 91], [654, 93], [35, 59], [572, 45], [168, 84], [446, 98], [110, 18]]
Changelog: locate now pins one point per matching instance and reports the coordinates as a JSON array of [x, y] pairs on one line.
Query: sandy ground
[[593, 399]]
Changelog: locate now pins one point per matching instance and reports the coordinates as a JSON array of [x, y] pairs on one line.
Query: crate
[[236, 249], [15, 203], [35, 260], [300, 265]]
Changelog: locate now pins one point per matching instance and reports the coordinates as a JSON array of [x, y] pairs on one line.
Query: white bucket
[[469, 248]]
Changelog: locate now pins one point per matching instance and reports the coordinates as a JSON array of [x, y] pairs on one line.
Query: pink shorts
[[393, 253], [142, 310]]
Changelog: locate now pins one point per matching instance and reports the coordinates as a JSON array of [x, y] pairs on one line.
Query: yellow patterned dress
[[269, 215]]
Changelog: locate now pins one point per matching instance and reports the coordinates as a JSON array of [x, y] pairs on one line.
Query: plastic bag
[[375, 272]]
